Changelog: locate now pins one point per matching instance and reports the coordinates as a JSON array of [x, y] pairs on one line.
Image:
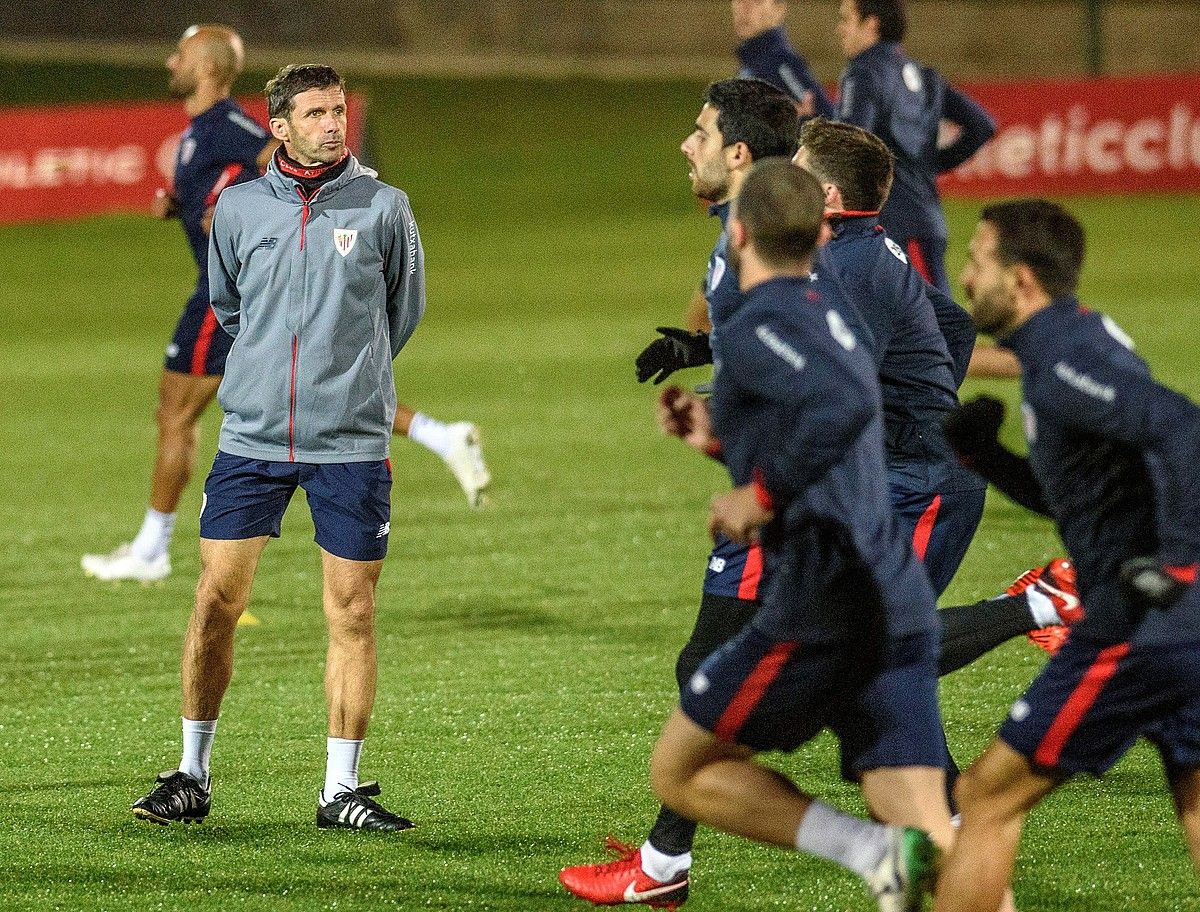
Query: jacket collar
[[285, 186], [1048, 322], [853, 224]]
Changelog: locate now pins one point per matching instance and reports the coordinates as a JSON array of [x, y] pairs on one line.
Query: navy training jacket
[[1116, 455], [796, 405], [903, 103]]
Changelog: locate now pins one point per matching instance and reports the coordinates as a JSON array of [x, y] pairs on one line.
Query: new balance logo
[[384, 530], [268, 243]]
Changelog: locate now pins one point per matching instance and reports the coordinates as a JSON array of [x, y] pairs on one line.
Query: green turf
[[526, 651]]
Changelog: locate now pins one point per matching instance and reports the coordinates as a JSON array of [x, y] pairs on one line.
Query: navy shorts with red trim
[[1092, 701], [734, 571], [350, 502], [199, 346], [940, 527], [772, 695]]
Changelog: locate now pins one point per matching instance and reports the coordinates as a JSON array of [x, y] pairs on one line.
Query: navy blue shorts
[[734, 571], [941, 527], [772, 695], [1092, 701], [350, 502], [199, 346]]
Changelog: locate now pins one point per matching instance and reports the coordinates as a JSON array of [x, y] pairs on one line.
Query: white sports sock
[[1041, 606], [854, 843], [341, 767], [197, 748], [661, 866], [154, 538], [431, 433]]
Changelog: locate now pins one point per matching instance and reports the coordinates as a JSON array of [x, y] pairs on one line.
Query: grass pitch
[[525, 651]]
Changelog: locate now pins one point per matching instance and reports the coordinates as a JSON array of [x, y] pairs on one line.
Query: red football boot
[[1054, 583], [623, 881]]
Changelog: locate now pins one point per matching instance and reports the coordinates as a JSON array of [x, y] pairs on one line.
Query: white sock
[[431, 433], [1041, 607], [661, 866], [154, 538], [197, 748], [854, 843], [341, 767]]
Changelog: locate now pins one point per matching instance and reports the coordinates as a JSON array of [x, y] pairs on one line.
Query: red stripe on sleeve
[[924, 528], [752, 690], [203, 342], [751, 574], [916, 256], [227, 177], [1078, 704], [1185, 575]]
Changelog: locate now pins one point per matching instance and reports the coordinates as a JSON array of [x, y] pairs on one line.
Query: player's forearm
[[988, 360]]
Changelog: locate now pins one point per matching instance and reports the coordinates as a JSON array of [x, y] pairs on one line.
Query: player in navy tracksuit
[[220, 147], [903, 103], [846, 636], [1112, 459], [735, 570], [765, 53], [922, 345]]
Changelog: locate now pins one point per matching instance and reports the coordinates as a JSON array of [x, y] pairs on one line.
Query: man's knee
[[351, 615], [218, 600]]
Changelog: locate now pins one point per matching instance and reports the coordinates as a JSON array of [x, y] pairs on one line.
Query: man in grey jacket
[[316, 271]]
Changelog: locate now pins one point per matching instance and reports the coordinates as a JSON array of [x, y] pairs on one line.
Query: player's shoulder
[[235, 118], [241, 194]]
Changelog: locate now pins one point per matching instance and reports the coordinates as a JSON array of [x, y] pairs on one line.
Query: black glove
[[974, 427], [1149, 581], [678, 348]]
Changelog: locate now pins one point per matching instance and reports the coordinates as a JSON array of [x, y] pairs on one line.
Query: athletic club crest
[[344, 238]]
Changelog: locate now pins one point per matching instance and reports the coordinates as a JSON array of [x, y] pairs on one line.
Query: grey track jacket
[[319, 299]]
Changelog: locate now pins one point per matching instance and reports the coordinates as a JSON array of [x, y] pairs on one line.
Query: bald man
[[223, 146]]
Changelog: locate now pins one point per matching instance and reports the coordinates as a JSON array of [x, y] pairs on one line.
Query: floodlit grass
[[525, 651]]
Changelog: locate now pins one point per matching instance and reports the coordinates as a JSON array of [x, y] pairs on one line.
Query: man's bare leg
[[912, 796], [720, 784], [350, 665], [350, 673], [714, 782], [1185, 789], [994, 797], [459, 445], [182, 399], [226, 575]]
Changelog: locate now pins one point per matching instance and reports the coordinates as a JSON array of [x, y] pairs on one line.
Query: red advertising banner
[[64, 162], [1117, 135]]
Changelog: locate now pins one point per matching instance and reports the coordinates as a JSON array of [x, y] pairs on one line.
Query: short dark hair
[[892, 16], [756, 113], [1043, 236], [295, 78], [783, 208], [855, 161]]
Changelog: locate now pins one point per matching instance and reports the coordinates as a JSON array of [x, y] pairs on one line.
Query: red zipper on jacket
[[307, 203]]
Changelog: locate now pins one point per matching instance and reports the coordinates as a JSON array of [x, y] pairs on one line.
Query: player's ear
[[279, 129], [737, 155], [833, 197]]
